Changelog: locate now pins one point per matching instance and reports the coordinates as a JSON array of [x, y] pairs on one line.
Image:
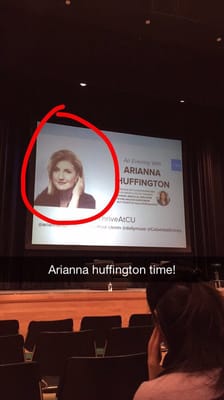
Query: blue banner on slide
[[176, 165]]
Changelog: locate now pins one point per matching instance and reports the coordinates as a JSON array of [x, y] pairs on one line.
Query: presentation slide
[[74, 179]]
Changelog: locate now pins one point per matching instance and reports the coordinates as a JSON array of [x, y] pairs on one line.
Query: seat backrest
[[35, 327], [11, 349], [131, 340], [103, 378], [9, 327], [141, 319], [100, 324], [20, 381], [53, 349]]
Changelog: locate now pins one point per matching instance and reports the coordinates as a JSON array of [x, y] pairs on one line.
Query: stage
[[59, 304]]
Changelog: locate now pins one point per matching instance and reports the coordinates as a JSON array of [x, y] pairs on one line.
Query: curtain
[[12, 210], [207, 172], [13, 140]]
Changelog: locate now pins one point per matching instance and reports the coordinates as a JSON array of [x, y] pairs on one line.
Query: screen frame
[[121, 252]]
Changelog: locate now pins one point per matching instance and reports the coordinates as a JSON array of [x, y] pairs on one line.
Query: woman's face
[[163, 196], [64, 175]]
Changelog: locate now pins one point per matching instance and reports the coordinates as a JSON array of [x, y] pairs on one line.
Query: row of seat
[[82, 378], [98, 323], [67, 362], [52, 348]]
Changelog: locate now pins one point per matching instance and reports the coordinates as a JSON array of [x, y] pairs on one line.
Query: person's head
[[64, 170], [163, 197], [191, 319]]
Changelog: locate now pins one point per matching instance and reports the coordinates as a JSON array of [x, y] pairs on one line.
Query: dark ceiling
[[48, 48]]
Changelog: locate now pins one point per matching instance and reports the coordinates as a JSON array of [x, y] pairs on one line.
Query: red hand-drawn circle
[[56, 110]]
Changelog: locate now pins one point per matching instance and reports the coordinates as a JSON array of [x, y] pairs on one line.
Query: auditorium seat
[[131, 340], [9, 327], [140, 319], [20, 381], [11, 349], [35, 327], [100, 325], [53, 348], [102, 378]]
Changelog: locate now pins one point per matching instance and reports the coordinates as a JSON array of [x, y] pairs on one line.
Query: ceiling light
[[147, 22], [83, 84], [68, 2], [219, 39], [182, 101]]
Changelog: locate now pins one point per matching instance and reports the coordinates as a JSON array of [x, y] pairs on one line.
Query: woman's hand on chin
[[154, 353]]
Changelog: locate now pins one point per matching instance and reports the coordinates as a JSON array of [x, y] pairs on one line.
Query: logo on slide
[[176, 165]]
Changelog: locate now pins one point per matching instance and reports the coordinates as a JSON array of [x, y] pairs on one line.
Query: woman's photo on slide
[[163, 198], [66, 187]]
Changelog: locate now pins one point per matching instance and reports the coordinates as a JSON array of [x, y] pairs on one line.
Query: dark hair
[[191, 318]]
